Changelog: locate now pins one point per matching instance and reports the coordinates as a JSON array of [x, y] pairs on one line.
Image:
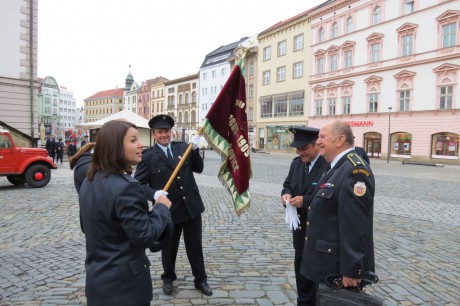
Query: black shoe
[[204, 288], [168, 287]]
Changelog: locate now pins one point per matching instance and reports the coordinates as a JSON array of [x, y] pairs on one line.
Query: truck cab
[[24, 165]]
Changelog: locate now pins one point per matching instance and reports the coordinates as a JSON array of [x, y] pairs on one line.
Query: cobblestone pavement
[[249, 259]]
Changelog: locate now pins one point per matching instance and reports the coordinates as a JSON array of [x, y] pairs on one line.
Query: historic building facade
[[18, 70], [103, 104], [181, 96], [390, 69], [282, 84]]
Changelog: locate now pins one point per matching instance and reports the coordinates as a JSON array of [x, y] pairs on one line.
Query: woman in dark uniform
[[116, 220]]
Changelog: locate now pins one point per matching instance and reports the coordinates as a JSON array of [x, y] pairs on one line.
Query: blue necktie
[[170, 158]]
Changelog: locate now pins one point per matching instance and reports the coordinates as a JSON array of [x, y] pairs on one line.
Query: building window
[[266, 77], [444, 144], [401, 144], [251, 91], [281, 74], [267, 53], [223, 71], [266, 107], [333, 61], [404, 100], [373, 102], [296, 106], [335, 30], [319, 107], [375, 52], [298, 70], [321, 35], [320, 65], [282, 48], [408, 6], [406, 45], [213, 74], [348, 59], [251, 68], [205, 75], [377, 15], [445, 97], [281, 106], [349, 25], [298, 42], [332, 106], [346, 101], [448, 35]]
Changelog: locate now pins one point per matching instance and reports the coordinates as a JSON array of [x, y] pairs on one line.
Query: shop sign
[[357, 123]]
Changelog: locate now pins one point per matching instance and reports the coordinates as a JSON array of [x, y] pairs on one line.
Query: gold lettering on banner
[[243, 144], [233, 125], [232, 158], [240, 103]]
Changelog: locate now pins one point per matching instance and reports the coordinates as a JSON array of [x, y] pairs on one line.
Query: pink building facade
[[374, 67]]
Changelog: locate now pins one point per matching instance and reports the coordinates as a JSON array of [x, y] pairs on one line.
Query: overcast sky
[[88, 45]]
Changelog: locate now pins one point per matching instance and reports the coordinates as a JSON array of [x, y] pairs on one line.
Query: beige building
[[157, 96], [103, 104], [182, 105], [283, 92], [18, 70]]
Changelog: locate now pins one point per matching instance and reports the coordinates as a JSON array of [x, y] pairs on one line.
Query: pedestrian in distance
[[59, 149], [339, 233], [305, 171], [49, 145], [84, 141], [158, 163], [71, 149], [116, 220]]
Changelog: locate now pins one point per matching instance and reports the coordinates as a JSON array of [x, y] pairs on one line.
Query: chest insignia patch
[[359, 189]]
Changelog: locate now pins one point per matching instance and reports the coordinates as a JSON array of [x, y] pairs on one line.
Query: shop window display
[[444, 145], [401, 144]]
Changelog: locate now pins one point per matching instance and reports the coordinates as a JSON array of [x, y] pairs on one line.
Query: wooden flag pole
[[181, 162]]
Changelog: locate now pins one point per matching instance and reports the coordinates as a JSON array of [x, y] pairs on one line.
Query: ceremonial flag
[[226, 130]]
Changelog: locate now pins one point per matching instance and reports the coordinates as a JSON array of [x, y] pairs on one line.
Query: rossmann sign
[[369, 123]]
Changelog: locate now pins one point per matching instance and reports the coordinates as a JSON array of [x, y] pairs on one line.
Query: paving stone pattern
[[249, 259]]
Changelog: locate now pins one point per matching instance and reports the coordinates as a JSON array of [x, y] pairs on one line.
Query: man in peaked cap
[[304, 174], [157, 166]]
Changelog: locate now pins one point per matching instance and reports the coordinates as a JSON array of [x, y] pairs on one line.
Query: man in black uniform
[[339, 234], [306, 169], [158, 163]]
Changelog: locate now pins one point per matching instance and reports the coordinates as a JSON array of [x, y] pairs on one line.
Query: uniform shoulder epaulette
[[355, 159], [297, 157], [178, 141]]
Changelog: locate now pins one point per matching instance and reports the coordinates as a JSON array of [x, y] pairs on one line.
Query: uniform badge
[[359, 189]]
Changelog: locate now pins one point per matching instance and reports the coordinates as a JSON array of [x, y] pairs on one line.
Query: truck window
[[4, 142]]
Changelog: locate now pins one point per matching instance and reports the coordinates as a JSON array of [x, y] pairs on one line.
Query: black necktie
[[306, 168], [170, 158]]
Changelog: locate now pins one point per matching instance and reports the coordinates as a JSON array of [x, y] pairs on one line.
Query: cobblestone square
[[249, 259]]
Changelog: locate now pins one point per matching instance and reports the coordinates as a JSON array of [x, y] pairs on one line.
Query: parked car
[[24, 165]]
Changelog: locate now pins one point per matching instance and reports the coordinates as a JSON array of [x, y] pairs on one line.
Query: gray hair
[[342, 128]]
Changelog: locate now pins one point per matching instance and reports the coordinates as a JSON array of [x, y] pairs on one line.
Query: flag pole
[[181, 162]]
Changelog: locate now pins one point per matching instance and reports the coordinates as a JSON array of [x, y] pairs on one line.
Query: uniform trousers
[[192, 230], [306, 289]]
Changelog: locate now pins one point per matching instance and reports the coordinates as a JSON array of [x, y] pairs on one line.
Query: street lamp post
[[389, 134]]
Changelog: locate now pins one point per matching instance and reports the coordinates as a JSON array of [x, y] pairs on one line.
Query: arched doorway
[[373, 144]]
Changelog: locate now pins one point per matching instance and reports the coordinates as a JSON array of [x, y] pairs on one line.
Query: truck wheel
[[38, 176], [16, 179]]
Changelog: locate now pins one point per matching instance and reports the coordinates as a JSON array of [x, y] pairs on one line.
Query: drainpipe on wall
[[31, 67]]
